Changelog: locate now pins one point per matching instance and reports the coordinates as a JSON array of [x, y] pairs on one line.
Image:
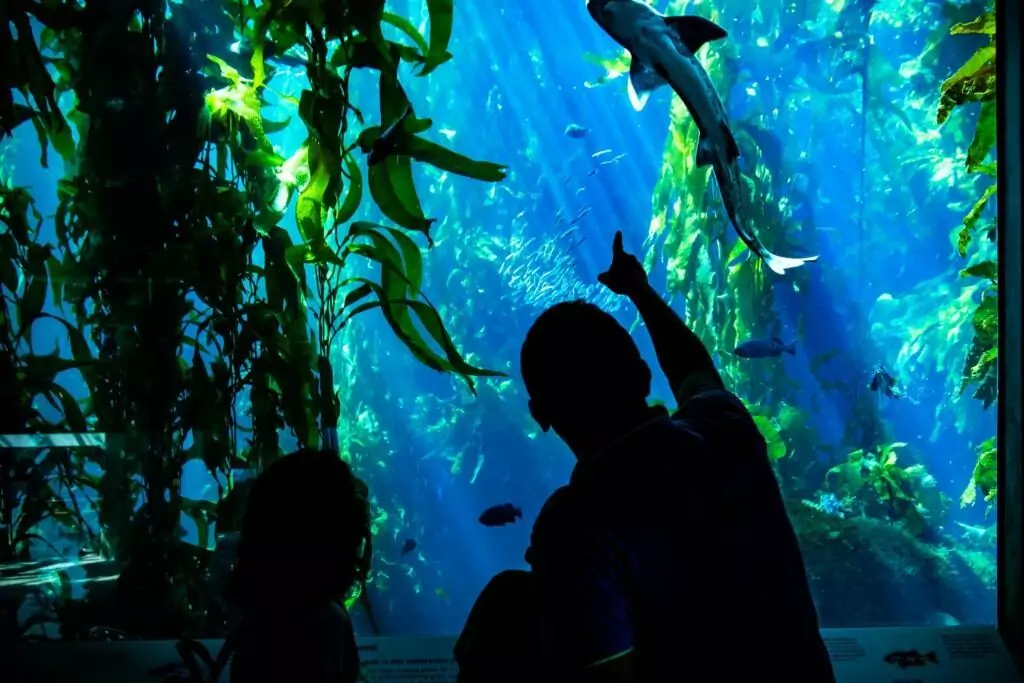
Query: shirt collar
[[583, 468]]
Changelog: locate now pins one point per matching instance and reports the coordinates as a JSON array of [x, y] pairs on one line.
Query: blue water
[[516, 81]]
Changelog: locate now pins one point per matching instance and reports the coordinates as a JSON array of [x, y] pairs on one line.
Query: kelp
[[985, 476], [880, 487], [728, 298], [35, 479], [729, 295], [975, 81], [210, 300]]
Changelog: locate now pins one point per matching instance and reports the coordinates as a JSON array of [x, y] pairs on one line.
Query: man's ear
[[538, 415]]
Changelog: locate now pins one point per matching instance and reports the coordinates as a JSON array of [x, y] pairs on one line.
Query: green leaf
[[985, 269], [80, 349], [971, 219], [227, 71], [984, 25], [310, 205], [270, 127], [312, 253], [984, 136], [431, 153], [368, 137], [55, 270], [30, 305], [986, 320], [400, 281], [202, 513], [19, 114], [356, 295], [354, 195], [406, 260], [263, 159], [392, 189], [975, 81], [985, 476], [74, 418], [441, 19], [396, 313], [406, 27], [772, 437]]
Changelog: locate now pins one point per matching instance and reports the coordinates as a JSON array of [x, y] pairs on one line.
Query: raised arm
[[681, 354]]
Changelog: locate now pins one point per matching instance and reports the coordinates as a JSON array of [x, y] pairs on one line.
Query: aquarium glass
[[293, 228]]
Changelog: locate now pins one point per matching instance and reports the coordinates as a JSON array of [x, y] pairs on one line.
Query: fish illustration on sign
[[911, 658]]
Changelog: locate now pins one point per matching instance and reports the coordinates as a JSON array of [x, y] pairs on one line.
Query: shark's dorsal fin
[[642, 81], [695, 31], [778, 341]]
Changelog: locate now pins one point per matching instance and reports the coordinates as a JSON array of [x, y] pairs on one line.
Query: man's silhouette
[[670, 550]]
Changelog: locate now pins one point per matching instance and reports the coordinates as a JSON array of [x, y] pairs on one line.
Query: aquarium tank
[[233, 228]]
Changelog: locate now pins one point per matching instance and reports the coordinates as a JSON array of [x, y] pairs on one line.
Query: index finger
[[617, 242]]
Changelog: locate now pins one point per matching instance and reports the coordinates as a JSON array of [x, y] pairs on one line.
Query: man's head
[[582, 370]]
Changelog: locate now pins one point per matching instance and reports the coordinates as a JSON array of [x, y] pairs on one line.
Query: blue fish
[[575, 131], [500, 515], [765, 348]]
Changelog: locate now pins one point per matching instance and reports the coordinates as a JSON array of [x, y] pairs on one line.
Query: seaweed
[[187, 303], [862, 497], [975, 81]]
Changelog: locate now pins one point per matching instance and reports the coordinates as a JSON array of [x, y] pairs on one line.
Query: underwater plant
[[975, 81], [189, 308], [805, 70]]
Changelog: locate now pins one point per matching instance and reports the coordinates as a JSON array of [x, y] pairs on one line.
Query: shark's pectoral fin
[[705, 153], [695, 31], [642, 81]]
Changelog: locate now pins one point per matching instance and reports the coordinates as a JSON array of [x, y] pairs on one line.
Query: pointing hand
[[625, 275]]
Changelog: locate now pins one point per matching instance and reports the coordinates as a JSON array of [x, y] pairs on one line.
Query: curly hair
[[305, 534]]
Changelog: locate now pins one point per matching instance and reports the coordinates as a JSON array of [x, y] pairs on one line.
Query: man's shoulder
[[711, 402], [718, 415], [558, 509]]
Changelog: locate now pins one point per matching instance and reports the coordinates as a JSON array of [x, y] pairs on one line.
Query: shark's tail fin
[[780, 264]]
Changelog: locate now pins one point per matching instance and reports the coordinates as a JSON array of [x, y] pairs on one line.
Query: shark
[[662, 52]]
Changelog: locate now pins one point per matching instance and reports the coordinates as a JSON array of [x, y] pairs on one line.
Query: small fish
[[905, 658], [408, 546], [580, 215], [500, 515], [765, 348], [576, 132], [614, 160], [885, 383]]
